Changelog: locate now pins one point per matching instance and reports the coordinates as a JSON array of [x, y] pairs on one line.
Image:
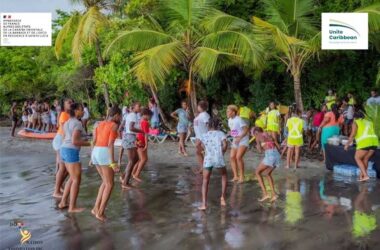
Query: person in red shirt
[[142, 143], [103, 157], [317, 120]]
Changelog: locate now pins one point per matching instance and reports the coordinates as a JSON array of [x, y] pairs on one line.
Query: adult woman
[[366, 142], [295, 126], [61, 172], [240, 143], [85, 117], [70, 148], [129, 143], [273, 120], [155, 120], [200, 129], [14, 118], [329, 126], [182, 115], [105, 134]]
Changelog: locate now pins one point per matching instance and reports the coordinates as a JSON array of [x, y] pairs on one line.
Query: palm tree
[[192, 35], [85, 26], [295, 36]]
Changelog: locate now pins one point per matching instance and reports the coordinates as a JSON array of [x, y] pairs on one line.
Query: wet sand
[[315, 210]]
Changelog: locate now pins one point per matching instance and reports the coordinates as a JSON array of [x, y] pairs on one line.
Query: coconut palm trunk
[[155, 97], [101, 64], [297, 91]]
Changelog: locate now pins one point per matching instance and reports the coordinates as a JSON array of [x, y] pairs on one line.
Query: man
[[374, 99]]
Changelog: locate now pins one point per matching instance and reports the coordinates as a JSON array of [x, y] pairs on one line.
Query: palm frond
[[66, 30], [153, 65], [218, 21], [207, 61], [138, 40], [373, 16]]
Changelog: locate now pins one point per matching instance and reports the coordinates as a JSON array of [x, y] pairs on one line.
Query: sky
[[36, 6]]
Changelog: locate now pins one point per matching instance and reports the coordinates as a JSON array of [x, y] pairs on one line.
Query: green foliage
[[373, 114]]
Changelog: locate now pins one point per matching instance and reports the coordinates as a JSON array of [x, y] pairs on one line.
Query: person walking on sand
[[142, 144], [14, 118], [239, 131], [272, 159], [366, 142], [103, 157], [70, 148], [200, 128], [182, 115], [129, 143], [215, 145], [61, 172], [295, 127]]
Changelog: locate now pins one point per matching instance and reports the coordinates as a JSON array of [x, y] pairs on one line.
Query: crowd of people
[[275, 132]]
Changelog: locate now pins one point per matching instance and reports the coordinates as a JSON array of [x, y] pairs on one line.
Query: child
[[102, 155], [53, 119], [215, 145], [295, 137], [239, 131], [142, 143], [182, 115], [45, 117], [25, 118], [271, 160], [200, 128]]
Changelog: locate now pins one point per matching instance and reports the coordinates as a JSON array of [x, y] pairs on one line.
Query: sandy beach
[[315, 210]]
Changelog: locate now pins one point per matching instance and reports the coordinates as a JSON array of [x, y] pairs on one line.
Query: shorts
[[348, 121], [314, 129], [129, 141], [243, 142], [182, 129], [57, 142], [272, 158], [140, 144], [100, 156], [210, 168], [70, 155], [368, 148]]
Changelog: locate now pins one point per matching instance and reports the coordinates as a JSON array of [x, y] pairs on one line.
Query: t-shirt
[[63, 117], [105, 133], [318, 118], [332, 121], [212, 141], [86, 113], [131, 117], [373, 100], [236, 125], [68, 129], [182, 117], [144, 126], [200, 124]]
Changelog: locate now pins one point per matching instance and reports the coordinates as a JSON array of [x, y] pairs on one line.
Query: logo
[[25, 234], [344, 31]]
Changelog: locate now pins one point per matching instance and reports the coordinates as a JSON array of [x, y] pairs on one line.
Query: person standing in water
[[61, 172], [70, 148], [215, 145], [272, 159], [129, 143], [366, 142], [295, 137], [142, 144], [240, 143], [273, 121], [200, 128], [103, 157], [14, 118], [182, 115]]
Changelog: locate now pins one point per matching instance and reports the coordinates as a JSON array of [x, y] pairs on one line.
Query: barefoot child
[[142, 144], [215, 145], [105, 134], [200, 129], [70, 148], [295, 137], [271, 160], [240, 143], [366, 142], [182, 115]]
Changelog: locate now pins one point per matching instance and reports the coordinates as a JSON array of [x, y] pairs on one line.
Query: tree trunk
[[297, 91], [101, 64], [155, 97], [193, 94]]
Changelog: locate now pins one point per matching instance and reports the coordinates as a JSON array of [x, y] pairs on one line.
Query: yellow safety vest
[[351, 101], [330, 100], [273, 121], [365, 135], [295, 127], [245, 112], [261, 121]]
